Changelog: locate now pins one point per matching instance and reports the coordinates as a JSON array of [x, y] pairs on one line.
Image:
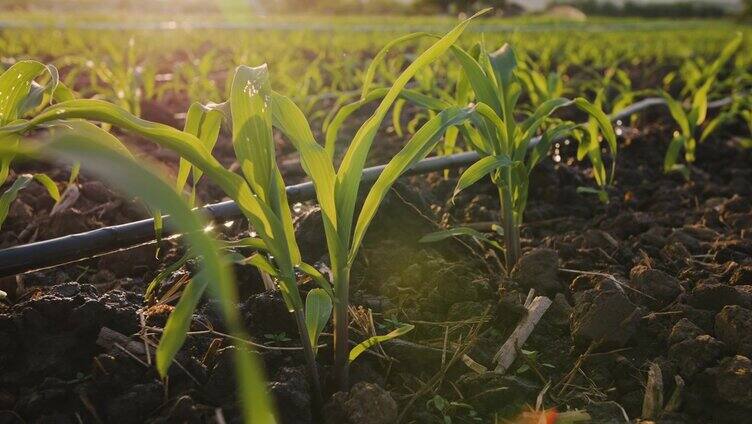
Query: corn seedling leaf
[[678, 113], [504, 63], [204, 123], [379, 58], [606, 129], [11, 193], [415, 97], [479, 81], [318, 309], [672, 154], [317, 277], [419, 146], [16, 84], [351, 169], [480, 169], [458, 231], [48, 185]]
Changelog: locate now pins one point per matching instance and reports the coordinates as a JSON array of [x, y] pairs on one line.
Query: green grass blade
[[500, 141], [532, 123], [712, 125], [700, 102], [10, 141], [316, 163], [373, 341], [504, 64], [251, 103]]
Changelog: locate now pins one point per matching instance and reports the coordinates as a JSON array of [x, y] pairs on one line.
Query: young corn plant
[[337, 190], [20, 95], [505, 144], [691, 115]]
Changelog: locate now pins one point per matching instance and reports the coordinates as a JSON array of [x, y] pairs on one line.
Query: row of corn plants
[[483, 108]]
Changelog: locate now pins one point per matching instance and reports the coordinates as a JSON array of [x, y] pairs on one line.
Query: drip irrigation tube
[[77, 247]]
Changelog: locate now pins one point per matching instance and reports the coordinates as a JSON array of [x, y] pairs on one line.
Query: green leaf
[[602, 194], [289, 119], [204, 123], [480, 169], [417, 98], [419, 146], [606, 129], [530, 126], [252, 129], [373, 341], [10, 141], [11, 193], [49, 185], [263, 264], [397, 117], [672, 154], [319, 278], [318, 309], [728, 51], [700, 102], [351, 169], [379, 58], [458, 231], [254, 243], [479, 81], [711, 126], [15, 86], [504, 63], [678, 113], [500, 141]]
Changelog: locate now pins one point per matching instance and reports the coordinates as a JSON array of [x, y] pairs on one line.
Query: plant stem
[[341, 326], [310, 358], [511, 229]]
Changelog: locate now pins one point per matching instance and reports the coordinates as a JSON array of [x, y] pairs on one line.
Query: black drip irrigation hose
[[103, 241]]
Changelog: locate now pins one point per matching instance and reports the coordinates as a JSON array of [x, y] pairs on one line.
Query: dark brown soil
[[662, 274]]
